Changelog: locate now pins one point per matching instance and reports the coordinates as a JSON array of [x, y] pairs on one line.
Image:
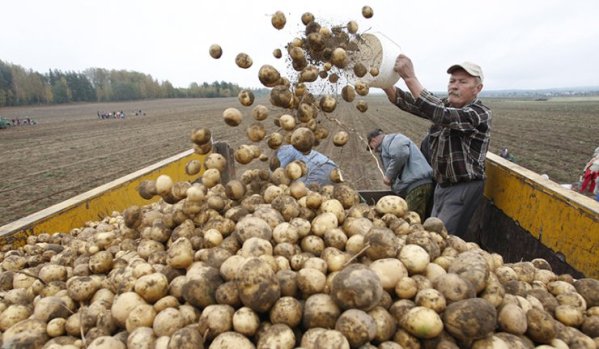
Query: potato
[[320, 310], [13, 314], [422, 322], [327, 104], [152, 287], [454, 288], [281, 96], [30, 333], [392, 204], [389, 271], [141, 316], [470, 319], [82, 288], [168, 322], [287, 122], [357, 286], [332, 339], [215, 319], [200, 285], [431, 298], [258, 286], [414, 258], [250, 226], [215, 51], [231, 340], [106, 342], [569, 315], [278, 20], [541, 327], [246, 97], [49, 308], [302, 139], [362, 106], [340, 138], [589, 290], [232, 116], [472, 266], [245, 321], [287, 310], [512, 319], [357, 326], [277, 336], [386, 325], [339, 57], [243, 60], [307, 18]]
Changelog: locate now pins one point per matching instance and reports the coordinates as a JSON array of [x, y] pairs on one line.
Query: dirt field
[[71, 151]]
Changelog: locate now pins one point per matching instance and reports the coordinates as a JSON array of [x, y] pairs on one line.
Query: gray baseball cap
[[469, 67]]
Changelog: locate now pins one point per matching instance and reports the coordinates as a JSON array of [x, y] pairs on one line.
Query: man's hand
[[404, 67], [391, 93], [386, 180]]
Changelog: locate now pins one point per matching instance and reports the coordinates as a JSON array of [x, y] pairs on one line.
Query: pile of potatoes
[[320, 56], [265, 262]]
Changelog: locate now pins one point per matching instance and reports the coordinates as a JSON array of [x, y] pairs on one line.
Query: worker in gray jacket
[[406, 170]]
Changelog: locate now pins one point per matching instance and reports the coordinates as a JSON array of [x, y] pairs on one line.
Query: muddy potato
[[307, 18], [339, 57], [453, 287], [367, 12], [13, 314], [470, 319], [246, 97], [246, 321], [167, 322], [243, 155], [348, 93], [82, 288], [141, 316], [392, 204], [328, 103], [472, 266], [287, 310], [362, 106], [357, 286], [357, 326], [201, 135], [277, 336], [320, 310], [281, 96], [422, 322], [216, 161], [302, 139], [278, 20], [215, 319], [258, 286], [232, 116], [256, 132], [202, 149], [512, 319], [383, 244], [540, 326], [243, 60], [260, 112], [589, 289], [287, 122], [215, 51]]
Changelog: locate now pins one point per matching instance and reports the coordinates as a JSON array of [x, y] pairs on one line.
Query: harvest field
[[71, 150]]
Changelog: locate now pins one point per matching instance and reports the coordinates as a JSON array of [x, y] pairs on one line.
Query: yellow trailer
[[523, 216]]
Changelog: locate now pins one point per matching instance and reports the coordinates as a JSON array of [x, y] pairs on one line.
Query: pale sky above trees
[[531, 44]]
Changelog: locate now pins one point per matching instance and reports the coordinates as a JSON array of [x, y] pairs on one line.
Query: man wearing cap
[[406, 170], [458, 138]]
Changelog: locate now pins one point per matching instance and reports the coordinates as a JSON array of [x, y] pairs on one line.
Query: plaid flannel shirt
[[459, 137]]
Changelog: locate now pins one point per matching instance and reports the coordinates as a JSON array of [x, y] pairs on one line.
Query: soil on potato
[[71, 150]]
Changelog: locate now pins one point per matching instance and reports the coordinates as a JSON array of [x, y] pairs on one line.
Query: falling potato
[[244, 154], [335, 175], [232, 116], [361, 88], [296, 53], [193, 167], [277, 53], [278, 20], [362, 106], [280, 96], [360, 69], [328, 104], [243, 60], [367, 12], [307, 17], [269, 76], [246, 97], [340, 138], [201, 135], [374, 71], [274, 140], [348, 93], [260, 112], [256, 132], [215, 51], [352, 27], [287, 122], [339, 57], [303, 139], [293, 170]]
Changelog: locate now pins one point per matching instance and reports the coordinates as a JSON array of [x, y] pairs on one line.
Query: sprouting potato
[[243, 60], [278, 20], [215, 51]]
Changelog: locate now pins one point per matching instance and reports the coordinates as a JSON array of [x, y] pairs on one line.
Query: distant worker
[[459, 138], [406, 170], [590, 176], [505, 153], [319, 166]]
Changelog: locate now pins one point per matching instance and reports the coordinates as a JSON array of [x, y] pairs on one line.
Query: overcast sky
[[520, 44]]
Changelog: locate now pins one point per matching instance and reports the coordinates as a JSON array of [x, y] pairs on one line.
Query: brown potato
[[278, 20], [367, 12], [269, 76], [246, 97], [243, 60], [340, 138], [215, 51], [307, 18], [232, 116]]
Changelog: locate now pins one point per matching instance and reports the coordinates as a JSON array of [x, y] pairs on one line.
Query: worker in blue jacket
[[319, 166], [407, 171]]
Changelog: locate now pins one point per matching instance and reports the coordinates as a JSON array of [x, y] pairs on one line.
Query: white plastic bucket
[[377, 50]]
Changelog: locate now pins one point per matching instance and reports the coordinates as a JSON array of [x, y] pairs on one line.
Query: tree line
[[20, 86]]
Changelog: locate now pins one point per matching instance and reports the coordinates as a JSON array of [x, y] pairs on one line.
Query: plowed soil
[[71, 151]]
